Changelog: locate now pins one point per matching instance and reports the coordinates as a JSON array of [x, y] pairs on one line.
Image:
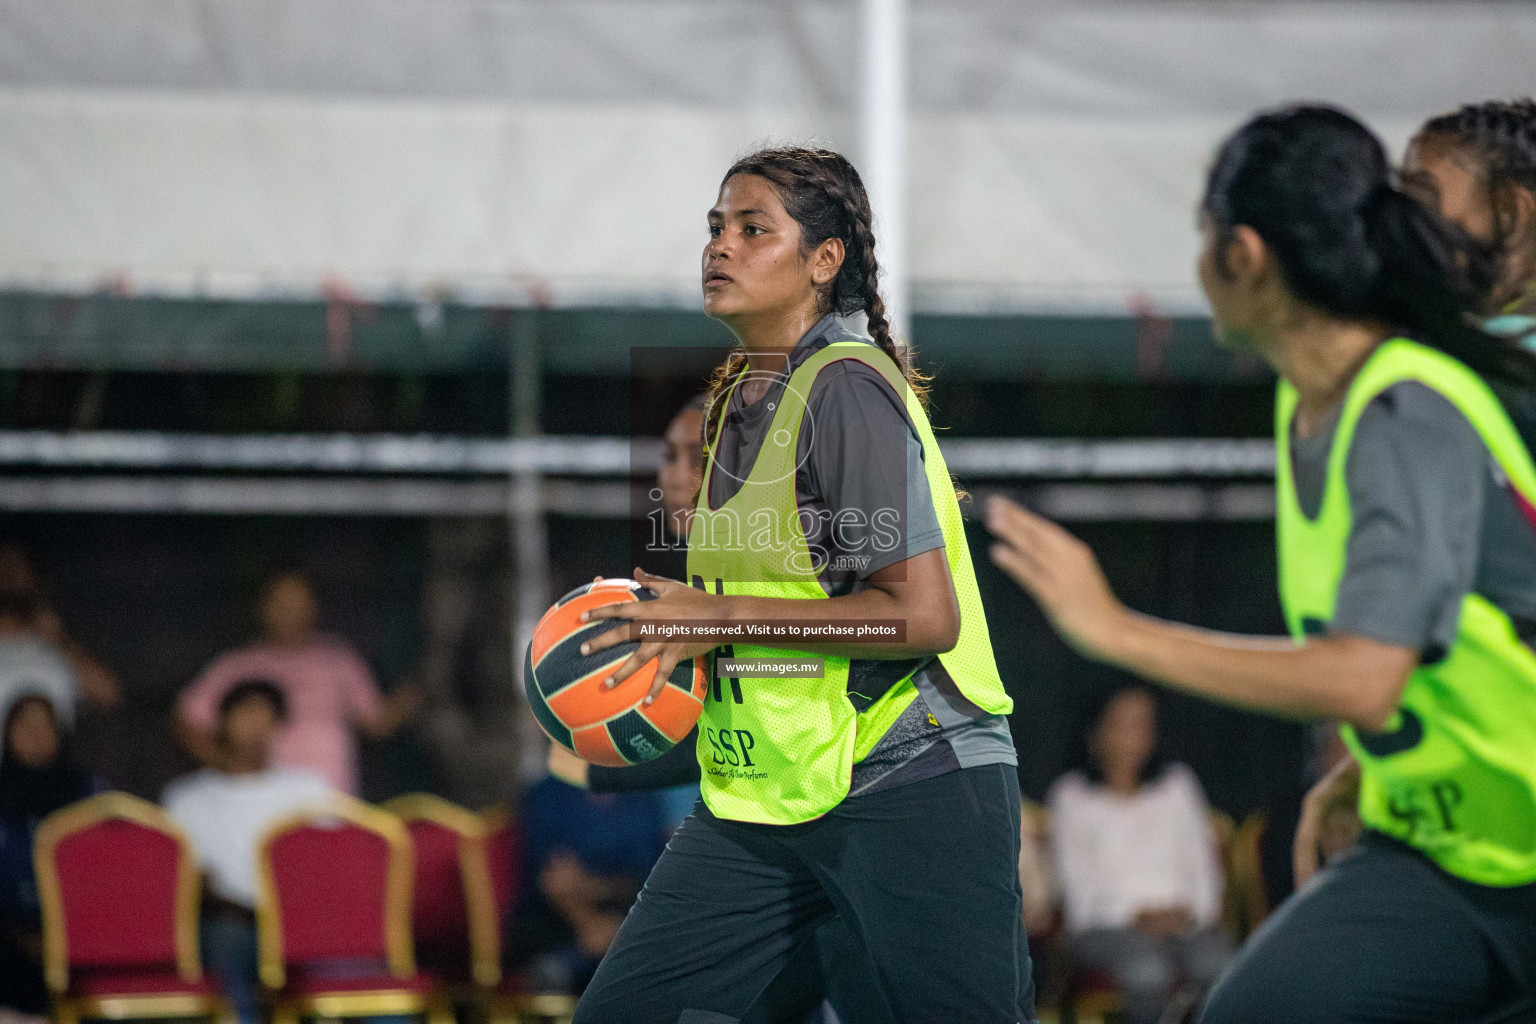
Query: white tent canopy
[[535, 150]]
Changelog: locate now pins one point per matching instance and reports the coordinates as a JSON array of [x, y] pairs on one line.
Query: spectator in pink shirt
[[328, 687]]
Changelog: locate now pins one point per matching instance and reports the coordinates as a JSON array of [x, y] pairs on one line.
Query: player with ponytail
[[855, 759], [1406, 522], [1477, 166]]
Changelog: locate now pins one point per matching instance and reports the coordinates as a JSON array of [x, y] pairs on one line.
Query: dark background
[[156, 597]]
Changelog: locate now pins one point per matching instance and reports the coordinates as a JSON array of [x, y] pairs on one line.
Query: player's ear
[[1247, 255], [1246, 251], [826, 261], [1515, 208]]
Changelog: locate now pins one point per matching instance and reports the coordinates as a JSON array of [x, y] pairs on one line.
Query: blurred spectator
[[587, 856], [1036, 875], [224, 810], [327, 685], [677, 482], [1138, 862], [682, 467], [97, 684], [29, 663], [676, 491], [35, 780]]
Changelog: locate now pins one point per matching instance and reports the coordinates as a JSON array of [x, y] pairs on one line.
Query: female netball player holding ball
[[1397, 469], [883, 790]]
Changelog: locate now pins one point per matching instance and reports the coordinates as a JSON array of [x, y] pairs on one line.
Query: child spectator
[[326, 685], [587, 856], [36, 779], [224, 810], [1136, 857]]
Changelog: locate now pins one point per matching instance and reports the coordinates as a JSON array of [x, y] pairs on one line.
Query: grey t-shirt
[[30, 664], [863, 492], [1434, 520]]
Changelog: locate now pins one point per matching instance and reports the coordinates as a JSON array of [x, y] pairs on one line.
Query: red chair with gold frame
[[511, 1003], [463, 888], [333, 917], [120, 891], [503, 855]]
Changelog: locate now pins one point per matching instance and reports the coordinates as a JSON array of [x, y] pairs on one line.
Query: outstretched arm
[[1346, 677]]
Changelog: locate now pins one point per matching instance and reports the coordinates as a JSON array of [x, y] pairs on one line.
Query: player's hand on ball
[[1060, 572], [676, 602]]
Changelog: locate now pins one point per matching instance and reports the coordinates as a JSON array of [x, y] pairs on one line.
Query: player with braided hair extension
[[856, 763], [824, 195], [1479, 165]]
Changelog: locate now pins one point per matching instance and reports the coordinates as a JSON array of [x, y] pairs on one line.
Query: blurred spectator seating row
[[363, 912]]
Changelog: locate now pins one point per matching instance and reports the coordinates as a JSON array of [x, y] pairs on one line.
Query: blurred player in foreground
[[1477, 166], [1393, 456]]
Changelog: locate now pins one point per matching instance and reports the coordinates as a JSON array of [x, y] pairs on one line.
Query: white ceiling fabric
[[567, 149]]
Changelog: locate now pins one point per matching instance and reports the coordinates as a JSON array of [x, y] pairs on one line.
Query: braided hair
[[1500, 135], [823, 193], [1316, 186]]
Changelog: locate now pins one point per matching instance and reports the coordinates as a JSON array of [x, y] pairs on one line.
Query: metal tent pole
[[883, 152], [529, 530]]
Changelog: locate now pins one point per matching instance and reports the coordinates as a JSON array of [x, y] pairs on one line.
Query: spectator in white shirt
[[96, 684], [1137, 861], [29, 663], [224, 810]]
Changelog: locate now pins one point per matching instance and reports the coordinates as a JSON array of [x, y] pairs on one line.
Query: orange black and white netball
[[565, 687]]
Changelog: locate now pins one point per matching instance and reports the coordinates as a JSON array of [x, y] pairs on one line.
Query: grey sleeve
[[863, 459], [1417, 475]]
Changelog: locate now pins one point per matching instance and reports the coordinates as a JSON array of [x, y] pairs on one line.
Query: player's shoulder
[[1411, 402], [856, 380], [1412, 428]]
